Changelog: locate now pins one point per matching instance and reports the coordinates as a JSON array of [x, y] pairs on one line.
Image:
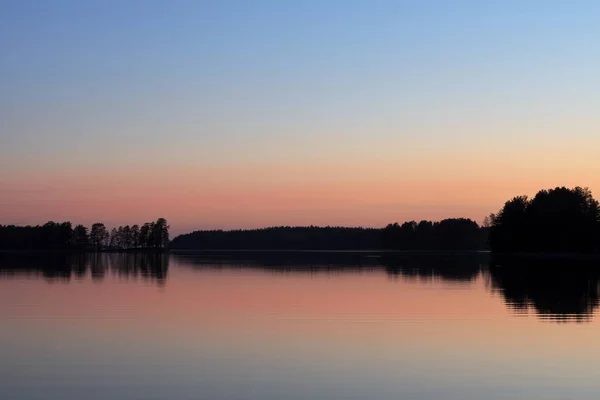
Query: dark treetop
[[450, 234], [558, 220], [62, 236]]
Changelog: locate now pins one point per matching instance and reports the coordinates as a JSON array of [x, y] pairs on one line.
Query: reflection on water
[[556, 289], [560, 290], [283, 325], [60, 267], [452, 268]]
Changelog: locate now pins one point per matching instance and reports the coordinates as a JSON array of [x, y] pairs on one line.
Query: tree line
[[559, 220], [451, 234], [63, 236], [284, 237]]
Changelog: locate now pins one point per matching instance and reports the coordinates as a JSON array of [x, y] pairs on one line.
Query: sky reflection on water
[[281, 325]]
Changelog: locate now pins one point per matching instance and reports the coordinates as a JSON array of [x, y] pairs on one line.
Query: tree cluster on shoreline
[[63, 236], [558, 220]]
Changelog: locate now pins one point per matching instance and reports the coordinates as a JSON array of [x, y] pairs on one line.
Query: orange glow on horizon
[[267, 195]]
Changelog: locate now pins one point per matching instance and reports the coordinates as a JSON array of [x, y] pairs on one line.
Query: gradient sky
[[222, 114]]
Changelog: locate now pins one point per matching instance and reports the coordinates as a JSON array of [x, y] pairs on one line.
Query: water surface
[[296, 326]]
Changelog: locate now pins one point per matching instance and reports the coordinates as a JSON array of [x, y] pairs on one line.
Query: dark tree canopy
[[285, 237], [99, 235], [448, 234], [62, 236], [81, 237], [50, 236], [451, 234], [559, 220]]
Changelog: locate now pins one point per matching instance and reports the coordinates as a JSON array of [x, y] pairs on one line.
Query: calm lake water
[[297, 326]]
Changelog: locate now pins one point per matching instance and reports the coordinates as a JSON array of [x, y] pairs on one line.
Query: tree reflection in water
[[62, 267], [555, 289]]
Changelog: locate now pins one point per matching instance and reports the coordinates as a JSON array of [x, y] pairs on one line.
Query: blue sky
[[107, 86]]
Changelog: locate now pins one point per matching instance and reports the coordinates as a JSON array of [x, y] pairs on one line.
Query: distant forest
[[63, 236], [558, 220], [450, 234]]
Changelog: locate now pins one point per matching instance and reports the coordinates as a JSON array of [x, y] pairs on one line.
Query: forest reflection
[[451, 268], [561, 290], [464, 268], [63, 267]]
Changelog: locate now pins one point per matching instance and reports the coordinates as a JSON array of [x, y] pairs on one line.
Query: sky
[[243, 114]]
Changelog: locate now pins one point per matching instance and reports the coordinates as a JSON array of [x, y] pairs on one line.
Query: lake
[[280, 325]]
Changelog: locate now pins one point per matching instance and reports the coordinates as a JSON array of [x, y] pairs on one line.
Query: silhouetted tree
[[145, 234], [160, 233], [98, 235], [488, 221], [555, 220], [113, 238], [81, 238], [135, 236], [127, 239]]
